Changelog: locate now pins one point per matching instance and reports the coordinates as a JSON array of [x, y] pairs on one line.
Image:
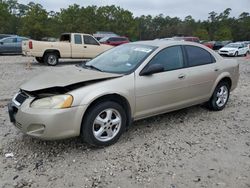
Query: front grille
[[224, 51], [21, 97]]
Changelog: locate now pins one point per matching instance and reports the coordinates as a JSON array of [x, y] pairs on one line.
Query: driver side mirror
[[152, 69]]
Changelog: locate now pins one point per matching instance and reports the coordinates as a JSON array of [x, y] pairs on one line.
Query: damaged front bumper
[[48, 124]]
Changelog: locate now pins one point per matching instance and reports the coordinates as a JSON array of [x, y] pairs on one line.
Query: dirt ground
[[188, 148]]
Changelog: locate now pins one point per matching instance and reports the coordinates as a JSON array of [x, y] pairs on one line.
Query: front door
[[91, 47], [162, 91]]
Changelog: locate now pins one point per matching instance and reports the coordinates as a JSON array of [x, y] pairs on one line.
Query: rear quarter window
[[78, 39], [198, 56]]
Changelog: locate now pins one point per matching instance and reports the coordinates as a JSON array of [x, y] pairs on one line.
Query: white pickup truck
[[71, 45]]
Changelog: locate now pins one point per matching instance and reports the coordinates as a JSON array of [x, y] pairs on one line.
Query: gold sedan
[[99, 99]]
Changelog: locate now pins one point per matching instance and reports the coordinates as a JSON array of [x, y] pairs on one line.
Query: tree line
[[36, 22]]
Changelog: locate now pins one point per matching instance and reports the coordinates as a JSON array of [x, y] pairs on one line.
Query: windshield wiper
[[92, 67]]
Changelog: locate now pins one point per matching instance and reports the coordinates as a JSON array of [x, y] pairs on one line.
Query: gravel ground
[[188, 148]]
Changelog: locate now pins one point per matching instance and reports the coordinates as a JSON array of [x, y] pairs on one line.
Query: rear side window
[[171, 58], [90, 40], [198, 56], [78, 39]]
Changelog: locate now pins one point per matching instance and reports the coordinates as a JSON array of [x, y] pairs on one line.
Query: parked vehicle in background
[[101, 34], [12, 45], [191, 39], [219, 44], [248, 44], [6, 35], [114, 41], [209, 44], [99, 99], [234, 49], [50, 39], [71, 45]]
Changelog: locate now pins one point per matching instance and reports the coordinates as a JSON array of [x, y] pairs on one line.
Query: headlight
[[56, 102]]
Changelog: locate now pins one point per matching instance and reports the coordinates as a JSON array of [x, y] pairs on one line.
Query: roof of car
[[159, 42], [164, 43]]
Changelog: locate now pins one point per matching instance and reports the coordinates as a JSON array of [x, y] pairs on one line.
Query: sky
[[198, 9]]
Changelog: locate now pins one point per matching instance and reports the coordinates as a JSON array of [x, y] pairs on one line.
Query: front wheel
[[51, 59], [103, 124], [236, 54], [220, 97]]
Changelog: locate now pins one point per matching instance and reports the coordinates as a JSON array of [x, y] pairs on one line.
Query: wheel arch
[[115, 98], [224, 77], [52, 51]]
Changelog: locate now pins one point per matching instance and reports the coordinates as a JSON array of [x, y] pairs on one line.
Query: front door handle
[[85, 46], [181, 76], [216, 69]]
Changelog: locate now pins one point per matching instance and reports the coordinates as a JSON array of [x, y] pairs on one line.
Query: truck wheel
[[51, 59], [39, 59]]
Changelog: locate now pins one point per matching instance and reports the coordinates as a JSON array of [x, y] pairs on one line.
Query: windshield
[[122, 59], [233, 45]]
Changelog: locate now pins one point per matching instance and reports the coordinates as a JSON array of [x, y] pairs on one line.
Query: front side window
[[198, 56], [78, 39], [90, 40], [171, 58]]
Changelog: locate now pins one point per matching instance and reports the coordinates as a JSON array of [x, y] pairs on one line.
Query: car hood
[[65, 76], [228, 49]]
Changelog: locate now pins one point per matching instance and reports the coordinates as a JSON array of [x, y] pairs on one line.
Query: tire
[[220, 97], [236, 54], [39, 59], [103, 124], [51, 59]]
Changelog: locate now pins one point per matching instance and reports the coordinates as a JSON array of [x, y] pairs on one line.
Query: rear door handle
[[85, 46], [181, 76]]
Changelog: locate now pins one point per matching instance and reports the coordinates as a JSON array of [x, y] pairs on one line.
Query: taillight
[[30, 45]]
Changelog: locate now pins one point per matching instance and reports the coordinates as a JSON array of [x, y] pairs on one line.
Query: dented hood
[[62, 77]]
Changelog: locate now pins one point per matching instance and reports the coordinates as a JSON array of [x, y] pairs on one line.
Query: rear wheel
[[103, 124], [220, 96], [39, 59], [51, 59]]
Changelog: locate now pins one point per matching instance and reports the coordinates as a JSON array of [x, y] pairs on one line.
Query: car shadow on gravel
[[54, 148], [10, 54]]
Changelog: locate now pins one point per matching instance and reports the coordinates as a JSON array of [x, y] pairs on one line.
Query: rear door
[[203, 71], [243, 50], [19, 45]]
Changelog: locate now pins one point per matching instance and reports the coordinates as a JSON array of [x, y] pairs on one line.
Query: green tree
[[34, 23], [202, 34], [4, 17]]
